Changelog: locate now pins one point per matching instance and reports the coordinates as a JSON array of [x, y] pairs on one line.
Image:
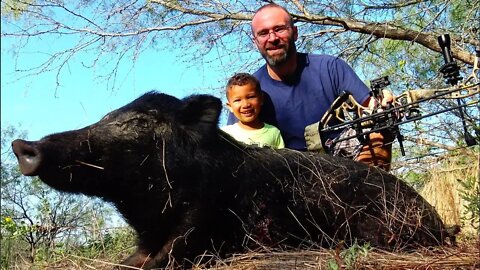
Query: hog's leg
[[139, 259], [184, 242], [170, 255], [174, 251], [144, 259]]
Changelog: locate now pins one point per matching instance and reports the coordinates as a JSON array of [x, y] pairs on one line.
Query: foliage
[[111, 245], [111, 242], [15, 8], [384, 34], [350, 258], [471, 194], [415, 178]]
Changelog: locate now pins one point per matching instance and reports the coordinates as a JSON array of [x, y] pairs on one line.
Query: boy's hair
[[241, 79]]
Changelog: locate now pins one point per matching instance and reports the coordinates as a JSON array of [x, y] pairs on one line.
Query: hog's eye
[[138, 123]]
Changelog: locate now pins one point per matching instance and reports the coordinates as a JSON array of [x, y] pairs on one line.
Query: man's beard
[[278, 60]]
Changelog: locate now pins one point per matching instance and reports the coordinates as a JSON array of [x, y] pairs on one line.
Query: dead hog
[[186, 187]]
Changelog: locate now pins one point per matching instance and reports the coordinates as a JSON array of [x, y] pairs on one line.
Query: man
[[300, 87]]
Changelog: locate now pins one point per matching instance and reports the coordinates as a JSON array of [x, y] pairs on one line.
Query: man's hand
[[387, 100], [378, 149]]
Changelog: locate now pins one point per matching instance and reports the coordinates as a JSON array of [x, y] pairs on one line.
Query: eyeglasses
[[277, 30]]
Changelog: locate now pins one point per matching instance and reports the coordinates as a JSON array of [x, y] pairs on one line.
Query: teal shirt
[[266, 136]]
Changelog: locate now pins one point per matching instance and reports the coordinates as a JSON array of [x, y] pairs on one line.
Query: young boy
[[244, 100]]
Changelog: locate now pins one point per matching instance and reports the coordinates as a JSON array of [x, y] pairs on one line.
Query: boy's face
[[245, 102]]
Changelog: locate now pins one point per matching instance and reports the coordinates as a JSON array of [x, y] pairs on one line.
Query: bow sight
[[406, 107]]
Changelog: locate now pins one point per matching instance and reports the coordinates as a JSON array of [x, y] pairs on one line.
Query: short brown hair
[[273, 5], [241, 79]]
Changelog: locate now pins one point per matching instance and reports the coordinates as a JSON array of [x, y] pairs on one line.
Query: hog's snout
[[28, 156]]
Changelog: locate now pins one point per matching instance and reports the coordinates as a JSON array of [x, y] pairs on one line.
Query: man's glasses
[[277, 31]]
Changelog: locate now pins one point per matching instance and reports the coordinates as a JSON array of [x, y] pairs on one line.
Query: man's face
[[274, 35]]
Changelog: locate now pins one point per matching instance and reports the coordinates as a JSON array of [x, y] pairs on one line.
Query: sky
[[35, 105]]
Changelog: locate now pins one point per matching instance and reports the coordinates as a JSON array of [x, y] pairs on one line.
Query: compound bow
[[406, 106]]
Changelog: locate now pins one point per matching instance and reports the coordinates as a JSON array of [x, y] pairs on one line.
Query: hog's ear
[[200, 112]]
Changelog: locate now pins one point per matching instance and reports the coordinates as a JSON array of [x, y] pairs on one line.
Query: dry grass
[[443, 191], [446, 258], [464, 256]]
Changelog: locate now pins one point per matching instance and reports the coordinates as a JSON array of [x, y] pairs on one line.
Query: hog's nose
[[28, 156]]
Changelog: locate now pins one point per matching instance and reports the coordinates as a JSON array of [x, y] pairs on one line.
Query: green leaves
[[470, 192], [349, 258], [36, 218], [15, 8]]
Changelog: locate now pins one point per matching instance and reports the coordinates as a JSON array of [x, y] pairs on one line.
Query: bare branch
[[393, 5]]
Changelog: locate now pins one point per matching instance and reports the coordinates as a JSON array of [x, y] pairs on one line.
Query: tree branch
[[388, 31]]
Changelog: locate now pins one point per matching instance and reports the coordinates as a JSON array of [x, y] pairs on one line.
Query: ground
[[464, 256]]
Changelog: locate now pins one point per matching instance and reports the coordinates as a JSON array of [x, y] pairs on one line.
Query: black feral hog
[[186, 187]]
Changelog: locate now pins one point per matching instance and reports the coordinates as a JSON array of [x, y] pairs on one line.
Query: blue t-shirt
[[303, 100]]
